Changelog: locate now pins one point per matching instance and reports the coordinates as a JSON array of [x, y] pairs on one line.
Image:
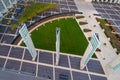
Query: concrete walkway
[[107, 53]]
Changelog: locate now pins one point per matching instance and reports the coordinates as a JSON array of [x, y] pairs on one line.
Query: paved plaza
[[16, 61], [108, 53]]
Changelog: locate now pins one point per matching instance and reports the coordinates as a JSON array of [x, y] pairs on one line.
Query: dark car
[[63, 77], [18, 10], [15, 14]]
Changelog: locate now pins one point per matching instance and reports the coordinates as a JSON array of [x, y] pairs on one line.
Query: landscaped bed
[[72, 39], [79, 17], [31, 11], [111, 33]]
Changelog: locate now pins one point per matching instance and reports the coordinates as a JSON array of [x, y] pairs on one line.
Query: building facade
[[5, 5]]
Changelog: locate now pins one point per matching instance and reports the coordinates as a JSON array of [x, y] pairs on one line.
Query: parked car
[[26, 4], [9, 22], [22, 7], [63, 77], [19, 10], [15, 14]]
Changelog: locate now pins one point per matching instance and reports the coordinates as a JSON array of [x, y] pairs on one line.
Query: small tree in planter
[[94, 25], [104, 44], [89, 16], [89, 38], [98, 50], [117, 52], [14, 26], [98, 19]]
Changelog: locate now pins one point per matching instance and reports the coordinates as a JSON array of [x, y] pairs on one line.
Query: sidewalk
[[107, 53]]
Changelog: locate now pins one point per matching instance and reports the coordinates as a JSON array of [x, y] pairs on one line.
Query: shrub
[[14, 26], [79, 17], [117, 52], [111, 33], [98, 50], [98, 19], [104, 44], [89, 38], [94, 25], [86, 30], [83, 23]]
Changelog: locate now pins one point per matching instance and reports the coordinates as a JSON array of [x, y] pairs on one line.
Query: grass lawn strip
[[72, 38]]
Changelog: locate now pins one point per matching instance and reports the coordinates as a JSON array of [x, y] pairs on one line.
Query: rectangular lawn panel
[[72, 39]]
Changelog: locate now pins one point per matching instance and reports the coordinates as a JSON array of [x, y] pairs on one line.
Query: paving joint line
[[53, 66], [22, 60], [70, 67], [7, 58], [37, 64], [88, 73], [3, 35]]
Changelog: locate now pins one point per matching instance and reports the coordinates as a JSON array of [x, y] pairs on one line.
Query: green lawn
[[72, 39]]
